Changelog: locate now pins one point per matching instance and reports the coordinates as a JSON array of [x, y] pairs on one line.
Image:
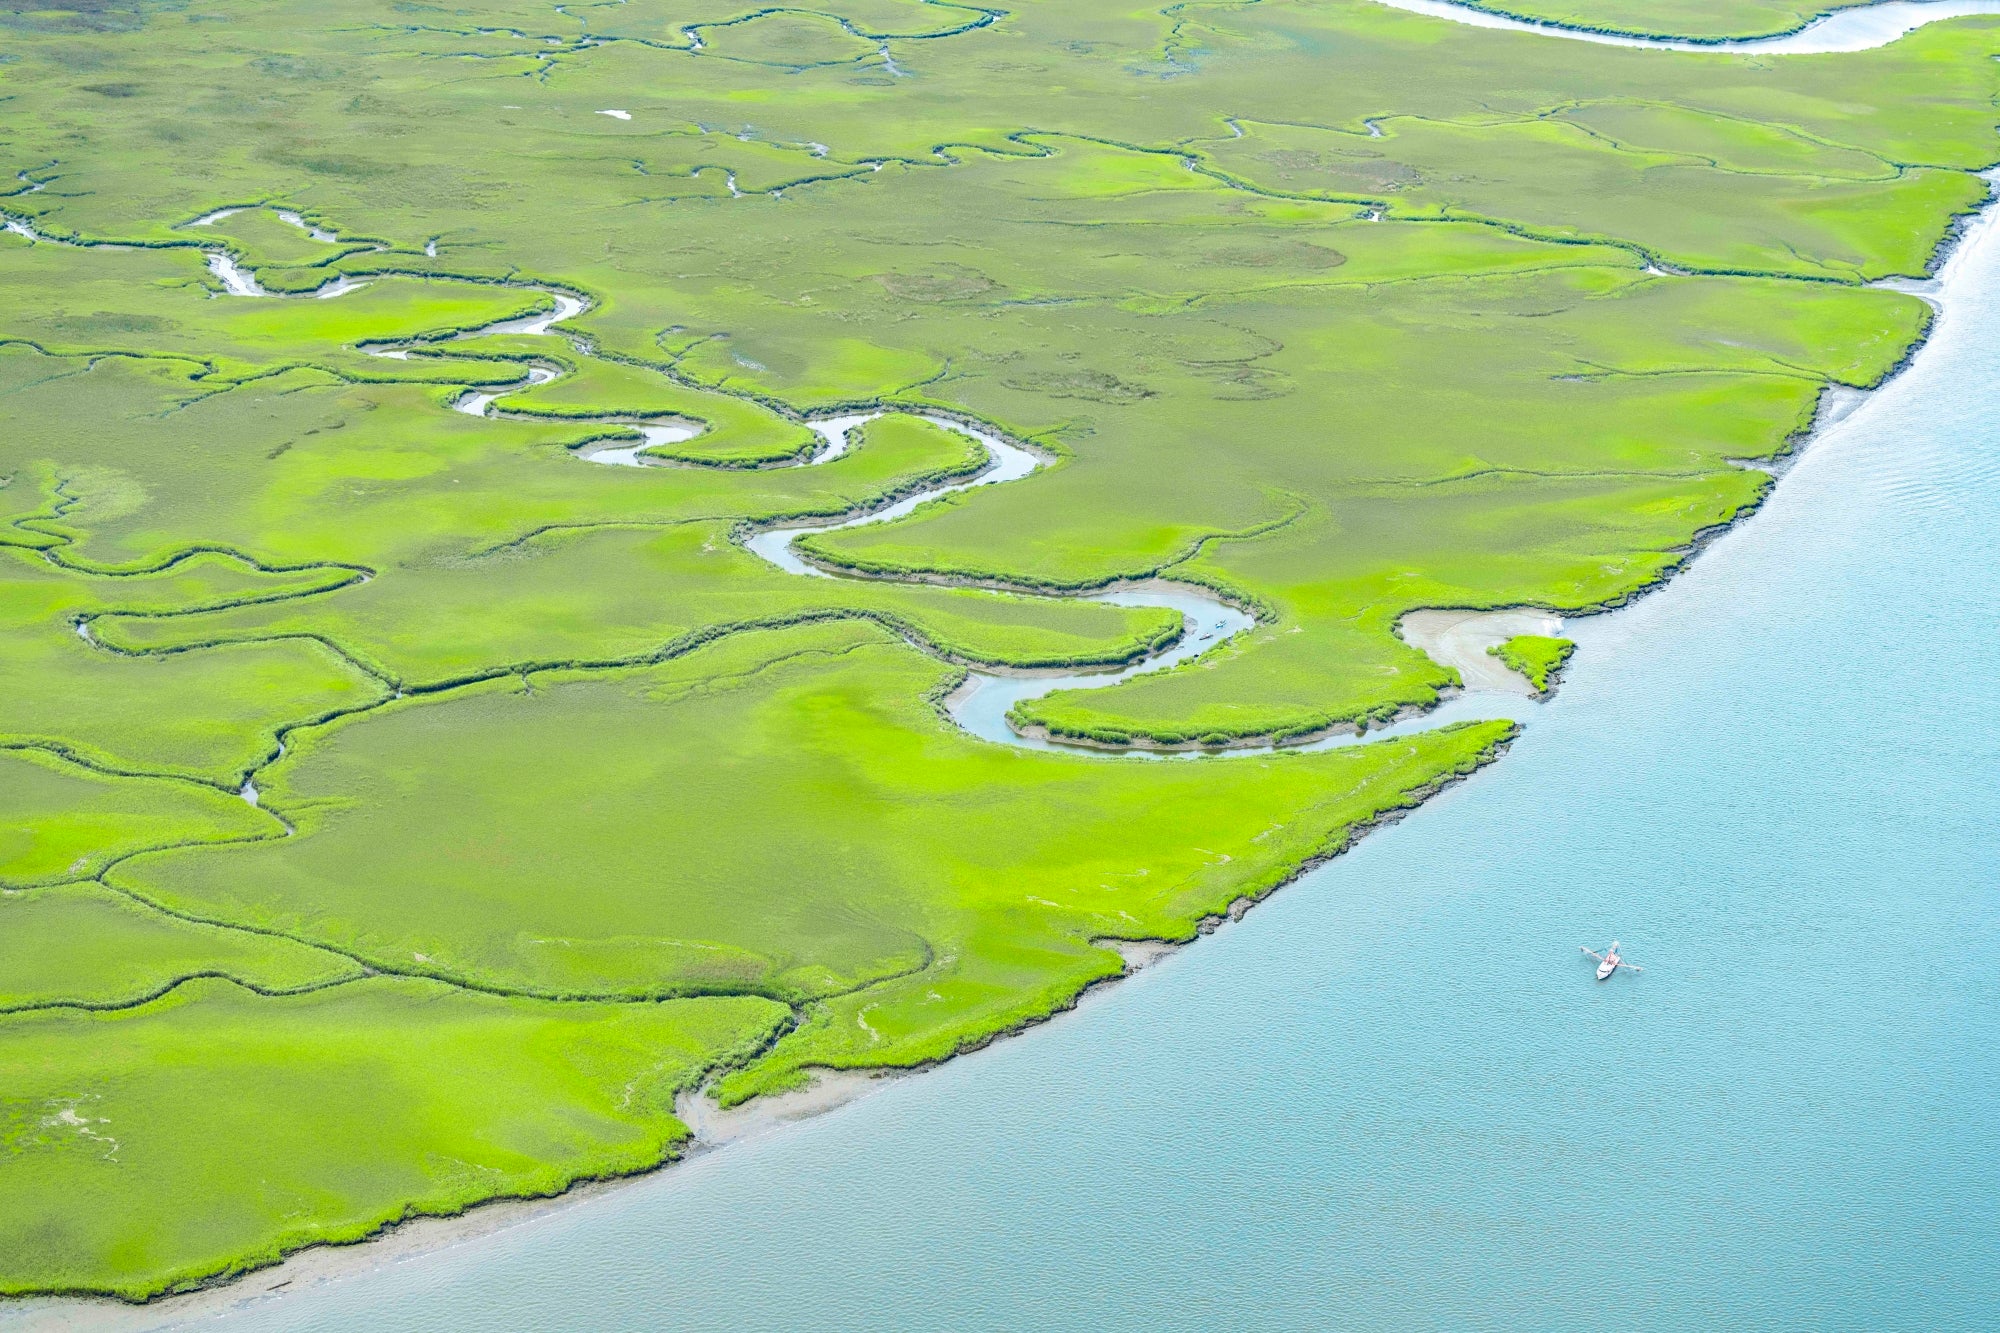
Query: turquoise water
[[1393, 1096]]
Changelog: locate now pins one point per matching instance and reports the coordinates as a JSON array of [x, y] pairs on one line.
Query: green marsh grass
[[609, 806], [1537, 656], [147, 1149]]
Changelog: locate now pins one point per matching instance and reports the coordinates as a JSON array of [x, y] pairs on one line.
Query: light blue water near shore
[[1393, 1096]]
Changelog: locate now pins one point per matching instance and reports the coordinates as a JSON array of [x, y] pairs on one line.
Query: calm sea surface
[[1393, 1096]]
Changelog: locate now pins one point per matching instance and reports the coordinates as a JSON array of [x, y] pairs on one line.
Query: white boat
[[1609, 961]]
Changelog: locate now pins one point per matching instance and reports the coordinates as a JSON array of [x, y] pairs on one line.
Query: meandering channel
[[235, 279], [981, 704]]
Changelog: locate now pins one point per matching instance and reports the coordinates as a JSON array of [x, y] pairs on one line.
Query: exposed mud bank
[[1464, 640]]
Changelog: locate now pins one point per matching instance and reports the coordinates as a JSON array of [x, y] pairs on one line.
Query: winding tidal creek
[[981, 704]]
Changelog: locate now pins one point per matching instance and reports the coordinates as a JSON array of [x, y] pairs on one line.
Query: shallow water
[[614, 454], [1006, 462], [981, 704], [1860, 29], [291, 219], [240, 281], [1393, 1096]]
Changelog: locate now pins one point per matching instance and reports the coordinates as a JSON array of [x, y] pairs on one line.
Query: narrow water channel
[[980, 705], [1393, 1096]]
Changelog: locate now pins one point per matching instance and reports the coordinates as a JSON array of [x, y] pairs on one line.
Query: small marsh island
[[564, 562]]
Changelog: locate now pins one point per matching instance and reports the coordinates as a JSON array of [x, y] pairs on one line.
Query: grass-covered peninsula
[[1539, 657], [398, 809]]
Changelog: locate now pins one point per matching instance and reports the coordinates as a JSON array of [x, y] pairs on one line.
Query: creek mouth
[[981, 703]]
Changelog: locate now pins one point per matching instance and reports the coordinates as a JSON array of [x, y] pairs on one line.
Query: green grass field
[[567, 800]]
